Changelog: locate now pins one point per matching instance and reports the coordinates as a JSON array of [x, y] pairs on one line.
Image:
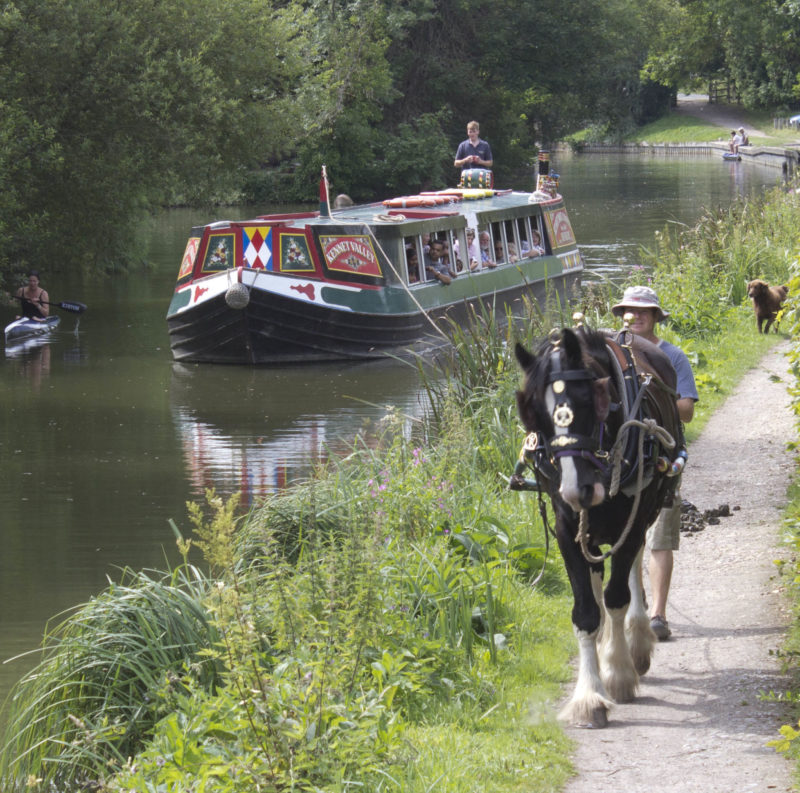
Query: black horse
[[605, 441]]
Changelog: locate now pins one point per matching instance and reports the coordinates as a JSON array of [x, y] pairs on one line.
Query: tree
[[141, 103]]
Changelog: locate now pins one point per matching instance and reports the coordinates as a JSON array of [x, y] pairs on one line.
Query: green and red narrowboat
[[336, 284]]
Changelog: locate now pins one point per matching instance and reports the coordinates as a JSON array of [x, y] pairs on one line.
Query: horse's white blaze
[[569, 489], [569, 473]]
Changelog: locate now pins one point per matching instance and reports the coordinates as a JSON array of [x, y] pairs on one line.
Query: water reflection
[[616, 201], [259, 430]]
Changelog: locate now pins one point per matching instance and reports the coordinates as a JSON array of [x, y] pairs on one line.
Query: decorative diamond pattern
[[257, 248]]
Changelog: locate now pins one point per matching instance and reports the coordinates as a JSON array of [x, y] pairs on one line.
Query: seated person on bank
[[435, 264], [744, 140]]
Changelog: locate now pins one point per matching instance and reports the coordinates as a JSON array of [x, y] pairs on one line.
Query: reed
[[93, 699]]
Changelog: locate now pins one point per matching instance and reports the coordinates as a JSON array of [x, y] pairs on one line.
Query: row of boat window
[[498, 243]]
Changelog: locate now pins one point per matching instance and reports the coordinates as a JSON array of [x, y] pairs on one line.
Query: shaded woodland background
[[112, 110]]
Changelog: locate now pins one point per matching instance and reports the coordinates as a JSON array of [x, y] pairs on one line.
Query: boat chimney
[[544, 162]]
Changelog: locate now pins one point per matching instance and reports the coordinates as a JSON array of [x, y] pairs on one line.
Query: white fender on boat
[[237, 296]]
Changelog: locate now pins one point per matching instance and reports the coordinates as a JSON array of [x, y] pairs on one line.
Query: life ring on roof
[[408, 201]]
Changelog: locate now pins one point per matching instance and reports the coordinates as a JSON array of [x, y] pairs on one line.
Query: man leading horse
[[663, 537]]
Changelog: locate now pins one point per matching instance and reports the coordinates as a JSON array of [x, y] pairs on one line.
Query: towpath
[[701, 722], [726, 117]]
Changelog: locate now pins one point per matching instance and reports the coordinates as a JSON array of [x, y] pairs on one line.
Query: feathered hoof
[[642, 642], [622, 686], [591, 714], [642, 664]]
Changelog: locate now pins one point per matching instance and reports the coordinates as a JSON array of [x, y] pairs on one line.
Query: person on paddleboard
[[34, 299]]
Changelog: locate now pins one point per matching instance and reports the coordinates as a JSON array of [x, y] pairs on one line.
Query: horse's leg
[[641, 638], [589, 703], [618, 672]]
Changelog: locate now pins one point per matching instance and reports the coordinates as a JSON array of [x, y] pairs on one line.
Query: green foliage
[[120, 108], [714, 260]]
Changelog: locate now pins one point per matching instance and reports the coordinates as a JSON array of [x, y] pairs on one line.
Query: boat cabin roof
[[413, 218]]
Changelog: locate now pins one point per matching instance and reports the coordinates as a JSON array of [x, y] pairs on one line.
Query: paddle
[[66, 305]]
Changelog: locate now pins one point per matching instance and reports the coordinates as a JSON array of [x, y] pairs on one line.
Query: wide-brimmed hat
[[639, 297]]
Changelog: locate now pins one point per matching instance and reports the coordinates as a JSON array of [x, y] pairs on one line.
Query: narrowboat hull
[[275, 329], [348, 293]]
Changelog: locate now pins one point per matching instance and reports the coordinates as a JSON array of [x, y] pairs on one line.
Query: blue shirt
[[686, 387], [481, 149]]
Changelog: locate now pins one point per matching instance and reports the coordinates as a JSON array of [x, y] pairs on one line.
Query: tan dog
[[767, 302]]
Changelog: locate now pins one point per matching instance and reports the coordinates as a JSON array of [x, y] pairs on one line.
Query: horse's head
[[565, 400]]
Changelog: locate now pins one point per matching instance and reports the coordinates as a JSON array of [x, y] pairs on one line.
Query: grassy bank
[[394, 624], [677, 128]]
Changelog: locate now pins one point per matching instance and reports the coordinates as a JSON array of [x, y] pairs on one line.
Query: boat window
[[412, 249], [498, 244], [461, 260], [513, 243], [536, 225], [445, 238]]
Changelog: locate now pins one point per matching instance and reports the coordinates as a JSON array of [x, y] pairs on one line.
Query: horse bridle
[[546, 453]]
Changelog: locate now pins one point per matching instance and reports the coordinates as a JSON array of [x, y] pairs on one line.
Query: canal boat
[[23, 329], [341, 284]]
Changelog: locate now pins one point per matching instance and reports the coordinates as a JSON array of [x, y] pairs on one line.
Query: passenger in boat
[[436, 266], [413, 264], [535, 247], [473, 252], [499, 253], [34, 299], [342, 200], [473, 152], [486, 250], [513, 256]]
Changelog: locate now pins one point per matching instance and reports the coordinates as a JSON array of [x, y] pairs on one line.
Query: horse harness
[[618, 459]]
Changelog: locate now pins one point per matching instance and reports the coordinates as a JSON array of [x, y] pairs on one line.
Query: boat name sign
[[353, 254]]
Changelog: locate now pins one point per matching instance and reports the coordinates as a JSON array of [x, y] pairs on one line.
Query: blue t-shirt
[[481, 149], [686, 387]]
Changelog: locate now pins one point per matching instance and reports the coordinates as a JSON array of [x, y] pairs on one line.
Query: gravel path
[[699, 724], [727, 117]]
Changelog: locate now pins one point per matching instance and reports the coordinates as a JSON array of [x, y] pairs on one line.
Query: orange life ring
[[406, 202]]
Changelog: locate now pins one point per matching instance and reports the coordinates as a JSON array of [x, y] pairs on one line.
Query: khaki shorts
[[665, 533]]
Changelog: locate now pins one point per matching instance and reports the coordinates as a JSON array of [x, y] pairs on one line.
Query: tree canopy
[[109, 110]]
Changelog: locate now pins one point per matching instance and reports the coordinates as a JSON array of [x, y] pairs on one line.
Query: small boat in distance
[[342, 284], [729, 155], [22, 329]]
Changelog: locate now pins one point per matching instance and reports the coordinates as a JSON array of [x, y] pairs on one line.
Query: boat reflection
[[257, 431]]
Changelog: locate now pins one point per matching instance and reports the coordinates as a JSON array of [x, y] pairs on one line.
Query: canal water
[[105, 439]]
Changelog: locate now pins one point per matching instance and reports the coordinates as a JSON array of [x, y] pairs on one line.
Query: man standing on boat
[[473, 152], [33, 298]]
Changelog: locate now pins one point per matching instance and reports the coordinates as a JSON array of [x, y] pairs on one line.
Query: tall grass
[[95, 696]]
